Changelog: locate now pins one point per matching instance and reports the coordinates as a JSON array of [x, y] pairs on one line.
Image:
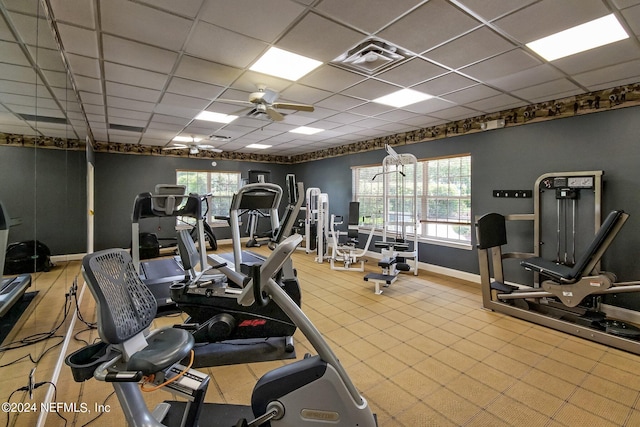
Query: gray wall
[[513, 158], [120, 177], [46, 190]]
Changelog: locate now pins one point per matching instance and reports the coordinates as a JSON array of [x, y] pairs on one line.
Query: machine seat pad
[[386, 262], [549, 268], [166, 347], [401, 246]]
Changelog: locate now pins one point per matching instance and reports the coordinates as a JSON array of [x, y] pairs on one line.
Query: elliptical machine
[[314, 391]]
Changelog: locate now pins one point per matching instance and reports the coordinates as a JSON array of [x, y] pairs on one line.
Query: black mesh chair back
[[125, 306]]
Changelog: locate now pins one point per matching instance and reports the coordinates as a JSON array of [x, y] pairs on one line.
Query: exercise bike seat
[[565, 274], [125, 309]]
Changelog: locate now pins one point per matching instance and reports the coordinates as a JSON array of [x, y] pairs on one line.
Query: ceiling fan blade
[[234, 101], [270, 96], [299, 107], [274, 115]]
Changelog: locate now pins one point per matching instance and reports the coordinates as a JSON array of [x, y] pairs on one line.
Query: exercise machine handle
[[259, 296]]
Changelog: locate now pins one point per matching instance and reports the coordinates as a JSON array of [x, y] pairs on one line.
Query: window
[[222, 186], [443, 196]]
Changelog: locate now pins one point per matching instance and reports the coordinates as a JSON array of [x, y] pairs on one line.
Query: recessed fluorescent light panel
[[402, 98], [210, 116], [305, 130], [589, 35], [186, 139], [287, 65], [258, 146]]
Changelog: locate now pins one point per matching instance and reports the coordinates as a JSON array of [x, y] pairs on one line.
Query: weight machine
[[347, 252], [316, 223], [566, 289], [398, 252]]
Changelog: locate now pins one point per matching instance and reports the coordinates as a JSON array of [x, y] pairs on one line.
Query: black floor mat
[[9, 320]]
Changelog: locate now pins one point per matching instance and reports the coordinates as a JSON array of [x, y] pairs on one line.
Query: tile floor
[[424, 353]]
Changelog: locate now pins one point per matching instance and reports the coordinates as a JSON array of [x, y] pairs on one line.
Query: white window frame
[[455, 231], [219, 198]]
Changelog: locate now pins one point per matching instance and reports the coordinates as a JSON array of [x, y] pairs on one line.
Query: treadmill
[[168, 200], [13, 288]]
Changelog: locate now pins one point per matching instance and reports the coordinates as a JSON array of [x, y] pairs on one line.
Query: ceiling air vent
[[371, 56], [43, 119], [115, 126]]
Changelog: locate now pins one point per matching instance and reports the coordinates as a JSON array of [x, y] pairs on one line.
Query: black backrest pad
[[600, 237], [491, 231], [125, 305]]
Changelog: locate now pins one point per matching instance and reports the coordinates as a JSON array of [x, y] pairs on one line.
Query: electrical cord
[[35, 386]]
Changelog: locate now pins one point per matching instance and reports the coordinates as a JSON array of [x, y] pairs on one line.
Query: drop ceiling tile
[[33, 31], [173, 110], [195, 89], [132, 92], [31, 101], [75, 12], [491, 9], [496, 103], [18, 73], [472, 47], [422, 121], [13, 54], [339, 102], [345, 118], [125, 121], [371, 109], [367, 15], [206, 71], [455, 113], [412, 72], [223, 46], [47, 59], [116, 102], [625, 3], [56, 78], [88, 84], [79, 40], [139, 116], [137, 54], [502, 65], [123, 17], [18, 88], [91, 98], [298, 120], [94, 112], [262, 20], [303, 94], [632, 17], [154, 142], [121, 138], [546, 90], [5, 32], [319, 38], [184, 101], [167, 127], [470, 94], [529, 77], [444, 84], [134, 76], [397, 116], [428, 106], [161, 118], [371, 89], [397, 128], [429, 25], [331, 78], [605, 77], [250, 81], [187, 8], [525, 25], [604, 56], [83, 66]]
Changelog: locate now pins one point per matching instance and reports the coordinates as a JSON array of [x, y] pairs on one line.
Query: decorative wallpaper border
[[592, 102]]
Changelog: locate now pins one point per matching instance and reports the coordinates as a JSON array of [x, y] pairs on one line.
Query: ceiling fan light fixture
[[210, 116], [287, 65]]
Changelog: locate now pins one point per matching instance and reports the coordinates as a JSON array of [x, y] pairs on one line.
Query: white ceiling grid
[[153, 65]]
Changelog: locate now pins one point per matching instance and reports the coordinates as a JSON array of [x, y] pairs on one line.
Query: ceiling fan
[[193, 146], [264, 103]]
